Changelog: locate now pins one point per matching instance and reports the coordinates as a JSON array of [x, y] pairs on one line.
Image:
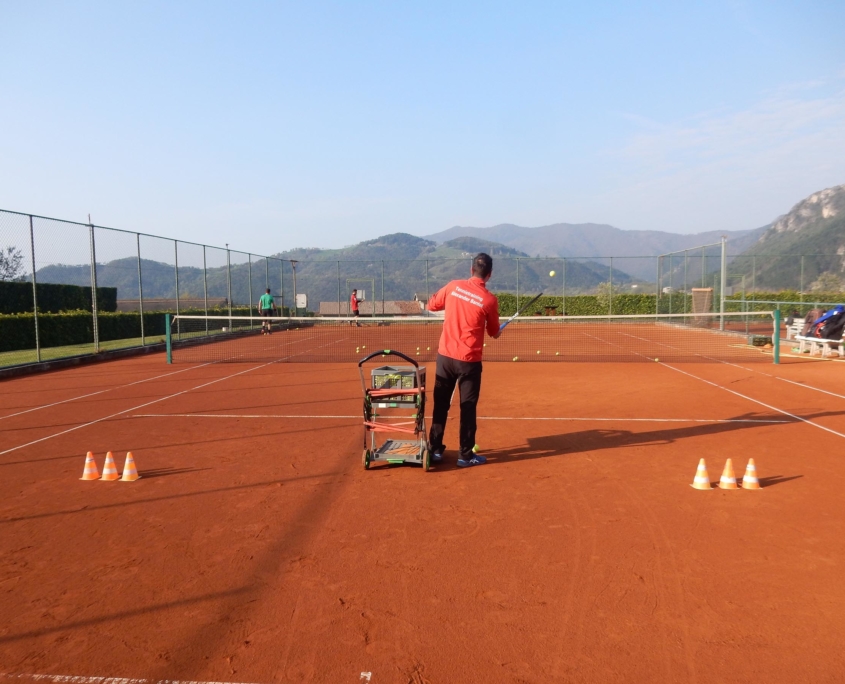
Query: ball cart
[[392, 390]]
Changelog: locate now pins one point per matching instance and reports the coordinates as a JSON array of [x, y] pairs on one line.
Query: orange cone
[[130, 472], [90, 472], [702, 479], [728, 479], [109, 469], [749, 480]]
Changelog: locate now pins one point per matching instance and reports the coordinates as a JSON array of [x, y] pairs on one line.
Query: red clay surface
[[258, 549]]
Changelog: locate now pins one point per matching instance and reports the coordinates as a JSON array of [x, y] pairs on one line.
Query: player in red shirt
[[353, 304], [470, 310]]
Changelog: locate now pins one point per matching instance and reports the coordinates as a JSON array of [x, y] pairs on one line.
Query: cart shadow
[[163, 472]]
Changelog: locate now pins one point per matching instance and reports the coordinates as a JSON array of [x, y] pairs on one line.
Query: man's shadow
[[584, 441]]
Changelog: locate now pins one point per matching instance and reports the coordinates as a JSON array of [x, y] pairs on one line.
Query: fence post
[[517, 283], [801, 284], [610, 294], [176, 269], [249, 284], [338, 289], [282, 282], [205, 287], [563, 297], [140, 289], [168, 341], [723, 284], [382, 287], [229, 283], [686, 286], [94, 287], [776, 338], [427, 292], [34, 292], [671, 281], [657, 290]]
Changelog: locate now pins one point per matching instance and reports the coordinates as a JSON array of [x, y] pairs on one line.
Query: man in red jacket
[[470, 310]]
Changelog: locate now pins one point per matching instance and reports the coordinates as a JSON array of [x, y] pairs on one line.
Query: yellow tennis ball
[[551, 274], [538, 351], [657, 359], [428, 348], [515, 358], [557, 353], [476, 449]]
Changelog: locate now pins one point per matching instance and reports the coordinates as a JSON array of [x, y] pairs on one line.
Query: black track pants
[[467, 375]]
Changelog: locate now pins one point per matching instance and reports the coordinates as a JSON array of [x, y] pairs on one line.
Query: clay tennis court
[[256, 548]]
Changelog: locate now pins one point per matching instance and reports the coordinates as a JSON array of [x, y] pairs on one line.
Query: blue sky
[[273, 125]]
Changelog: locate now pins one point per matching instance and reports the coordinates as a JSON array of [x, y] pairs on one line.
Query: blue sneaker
[[475, 460], [437, 456]]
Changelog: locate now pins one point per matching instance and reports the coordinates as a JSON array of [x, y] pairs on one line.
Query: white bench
[[815, 345], [794, 330]]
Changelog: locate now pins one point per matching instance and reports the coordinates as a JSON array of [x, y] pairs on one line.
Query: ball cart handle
[[388, 352]]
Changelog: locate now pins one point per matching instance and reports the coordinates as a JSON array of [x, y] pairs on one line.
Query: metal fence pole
[[140, 289], [282, 283], [657, 288], [517, 284], [427, 291], [686, 286], [176, 269], [34, 292], [801, 283], [671, 292], [382, 287], [94, 287], [610, 294], [229, 283], [563, 296], [205, 287], [338, 288], [249, 284], [723, 283]]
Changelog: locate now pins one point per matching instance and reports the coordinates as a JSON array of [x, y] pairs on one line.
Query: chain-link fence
[[68, 288]]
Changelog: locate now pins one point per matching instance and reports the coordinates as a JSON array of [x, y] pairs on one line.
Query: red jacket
[[353, 301], [470, 308]]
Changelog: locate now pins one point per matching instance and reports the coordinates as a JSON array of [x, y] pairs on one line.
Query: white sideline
[[134, 408], [137, 382], [71, 679], [558, 418]]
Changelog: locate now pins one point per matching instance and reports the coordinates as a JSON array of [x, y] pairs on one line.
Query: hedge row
[[596, 305], [17, 331], [16, 297]]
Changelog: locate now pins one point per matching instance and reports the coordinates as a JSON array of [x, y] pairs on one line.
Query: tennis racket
[[521, 309]]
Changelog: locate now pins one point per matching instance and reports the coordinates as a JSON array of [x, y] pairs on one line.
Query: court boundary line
[[110, 389], [76, 679], [531, 418], [134, 408]]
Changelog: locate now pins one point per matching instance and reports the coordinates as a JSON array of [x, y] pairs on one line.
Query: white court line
[[734, 392], [137, 382], [559, 418], [70, 679], [134, 408], [756, 401]]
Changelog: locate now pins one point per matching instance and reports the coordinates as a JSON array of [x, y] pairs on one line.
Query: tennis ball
[[515, 358], [657, 360], [476, 449], [551, 274], [538, 351], [428, 348], [557, 353]]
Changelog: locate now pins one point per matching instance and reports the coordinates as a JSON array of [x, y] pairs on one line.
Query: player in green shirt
[[266, 308]]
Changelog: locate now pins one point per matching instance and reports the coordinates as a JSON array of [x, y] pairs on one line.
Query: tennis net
[[742, 336]]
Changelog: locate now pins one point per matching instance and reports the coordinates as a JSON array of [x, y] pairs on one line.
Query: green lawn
[[24, 356]]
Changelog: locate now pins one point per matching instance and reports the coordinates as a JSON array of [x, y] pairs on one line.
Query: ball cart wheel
[[426, 464], [366, 459]]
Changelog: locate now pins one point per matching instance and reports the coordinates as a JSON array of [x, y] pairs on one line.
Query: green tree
[[11, 264]]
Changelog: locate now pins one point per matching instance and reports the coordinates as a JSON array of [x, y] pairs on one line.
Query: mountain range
[[408, 265]]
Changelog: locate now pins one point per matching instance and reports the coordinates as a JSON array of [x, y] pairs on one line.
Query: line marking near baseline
[[134, 408], [536, 418], [110, 389], [71, 679]]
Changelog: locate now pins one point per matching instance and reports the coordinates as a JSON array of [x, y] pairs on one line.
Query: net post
[[776, 337], [94, 287], [168, 338]]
